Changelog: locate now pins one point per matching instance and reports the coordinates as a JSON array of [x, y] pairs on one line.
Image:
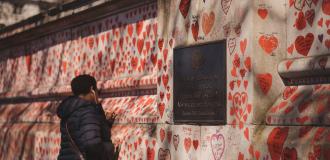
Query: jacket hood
[[69, 105]]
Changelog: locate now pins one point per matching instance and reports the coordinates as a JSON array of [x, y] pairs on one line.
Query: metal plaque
[[200, 84]]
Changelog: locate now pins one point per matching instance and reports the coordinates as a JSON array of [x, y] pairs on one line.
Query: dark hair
[[82, 84]]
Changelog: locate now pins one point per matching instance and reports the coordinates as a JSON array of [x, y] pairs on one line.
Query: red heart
[[161, 95], [168, 96], [304, 44], [233, 72], [327, 43], [236, 61], [153, 58], [246, 84], [165, 53], [162, 134], [195, 29], [160, 44], [130, 30], [121, 43], [232, 85], [268, 43], [225, 5], [28, 62], [187, 144], [243, 44], [165, 79], [90, 42], [49, 70], [275, 141], [242, 72], [134, 62], [64, 66], [159, 64], [265, 82], [247, 63], [288, 91], [148, 28], [207, 22], [171, 42], [326, 7], [246, 133], [310, 15], [161, 108], [112, 64], [289, 154], [99, 57], [300, 21], [262, 13], [320, 22], [290, 49], [195, 144], [139, 27], [140, 44], [184, 7], [150, 154], [169, 136], [155, 28]]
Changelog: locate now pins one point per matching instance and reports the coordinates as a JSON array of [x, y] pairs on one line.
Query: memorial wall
[[189, 79]]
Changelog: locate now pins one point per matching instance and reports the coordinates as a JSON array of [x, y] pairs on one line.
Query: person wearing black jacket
[[85, 131]]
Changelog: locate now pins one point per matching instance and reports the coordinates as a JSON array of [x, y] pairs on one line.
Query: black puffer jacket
[[88, 128]]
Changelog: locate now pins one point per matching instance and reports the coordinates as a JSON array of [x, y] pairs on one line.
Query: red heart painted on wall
[[310, 15], [300, 23], [161, 108], [165, 53], [268, 43], [150, 153], [130, 30], [326, 7], [207, 22], [134, 62], [187, 144], [265, 82], [184, 7], [28, 62], [169, 136], [160, 44], [140, 44], [243, 44], [153, 58], [195, 144], [247, 63], [165, 79], [275, 141], [195, 29], [162, 134], [262, 12], [304, 44], [139, 27]]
